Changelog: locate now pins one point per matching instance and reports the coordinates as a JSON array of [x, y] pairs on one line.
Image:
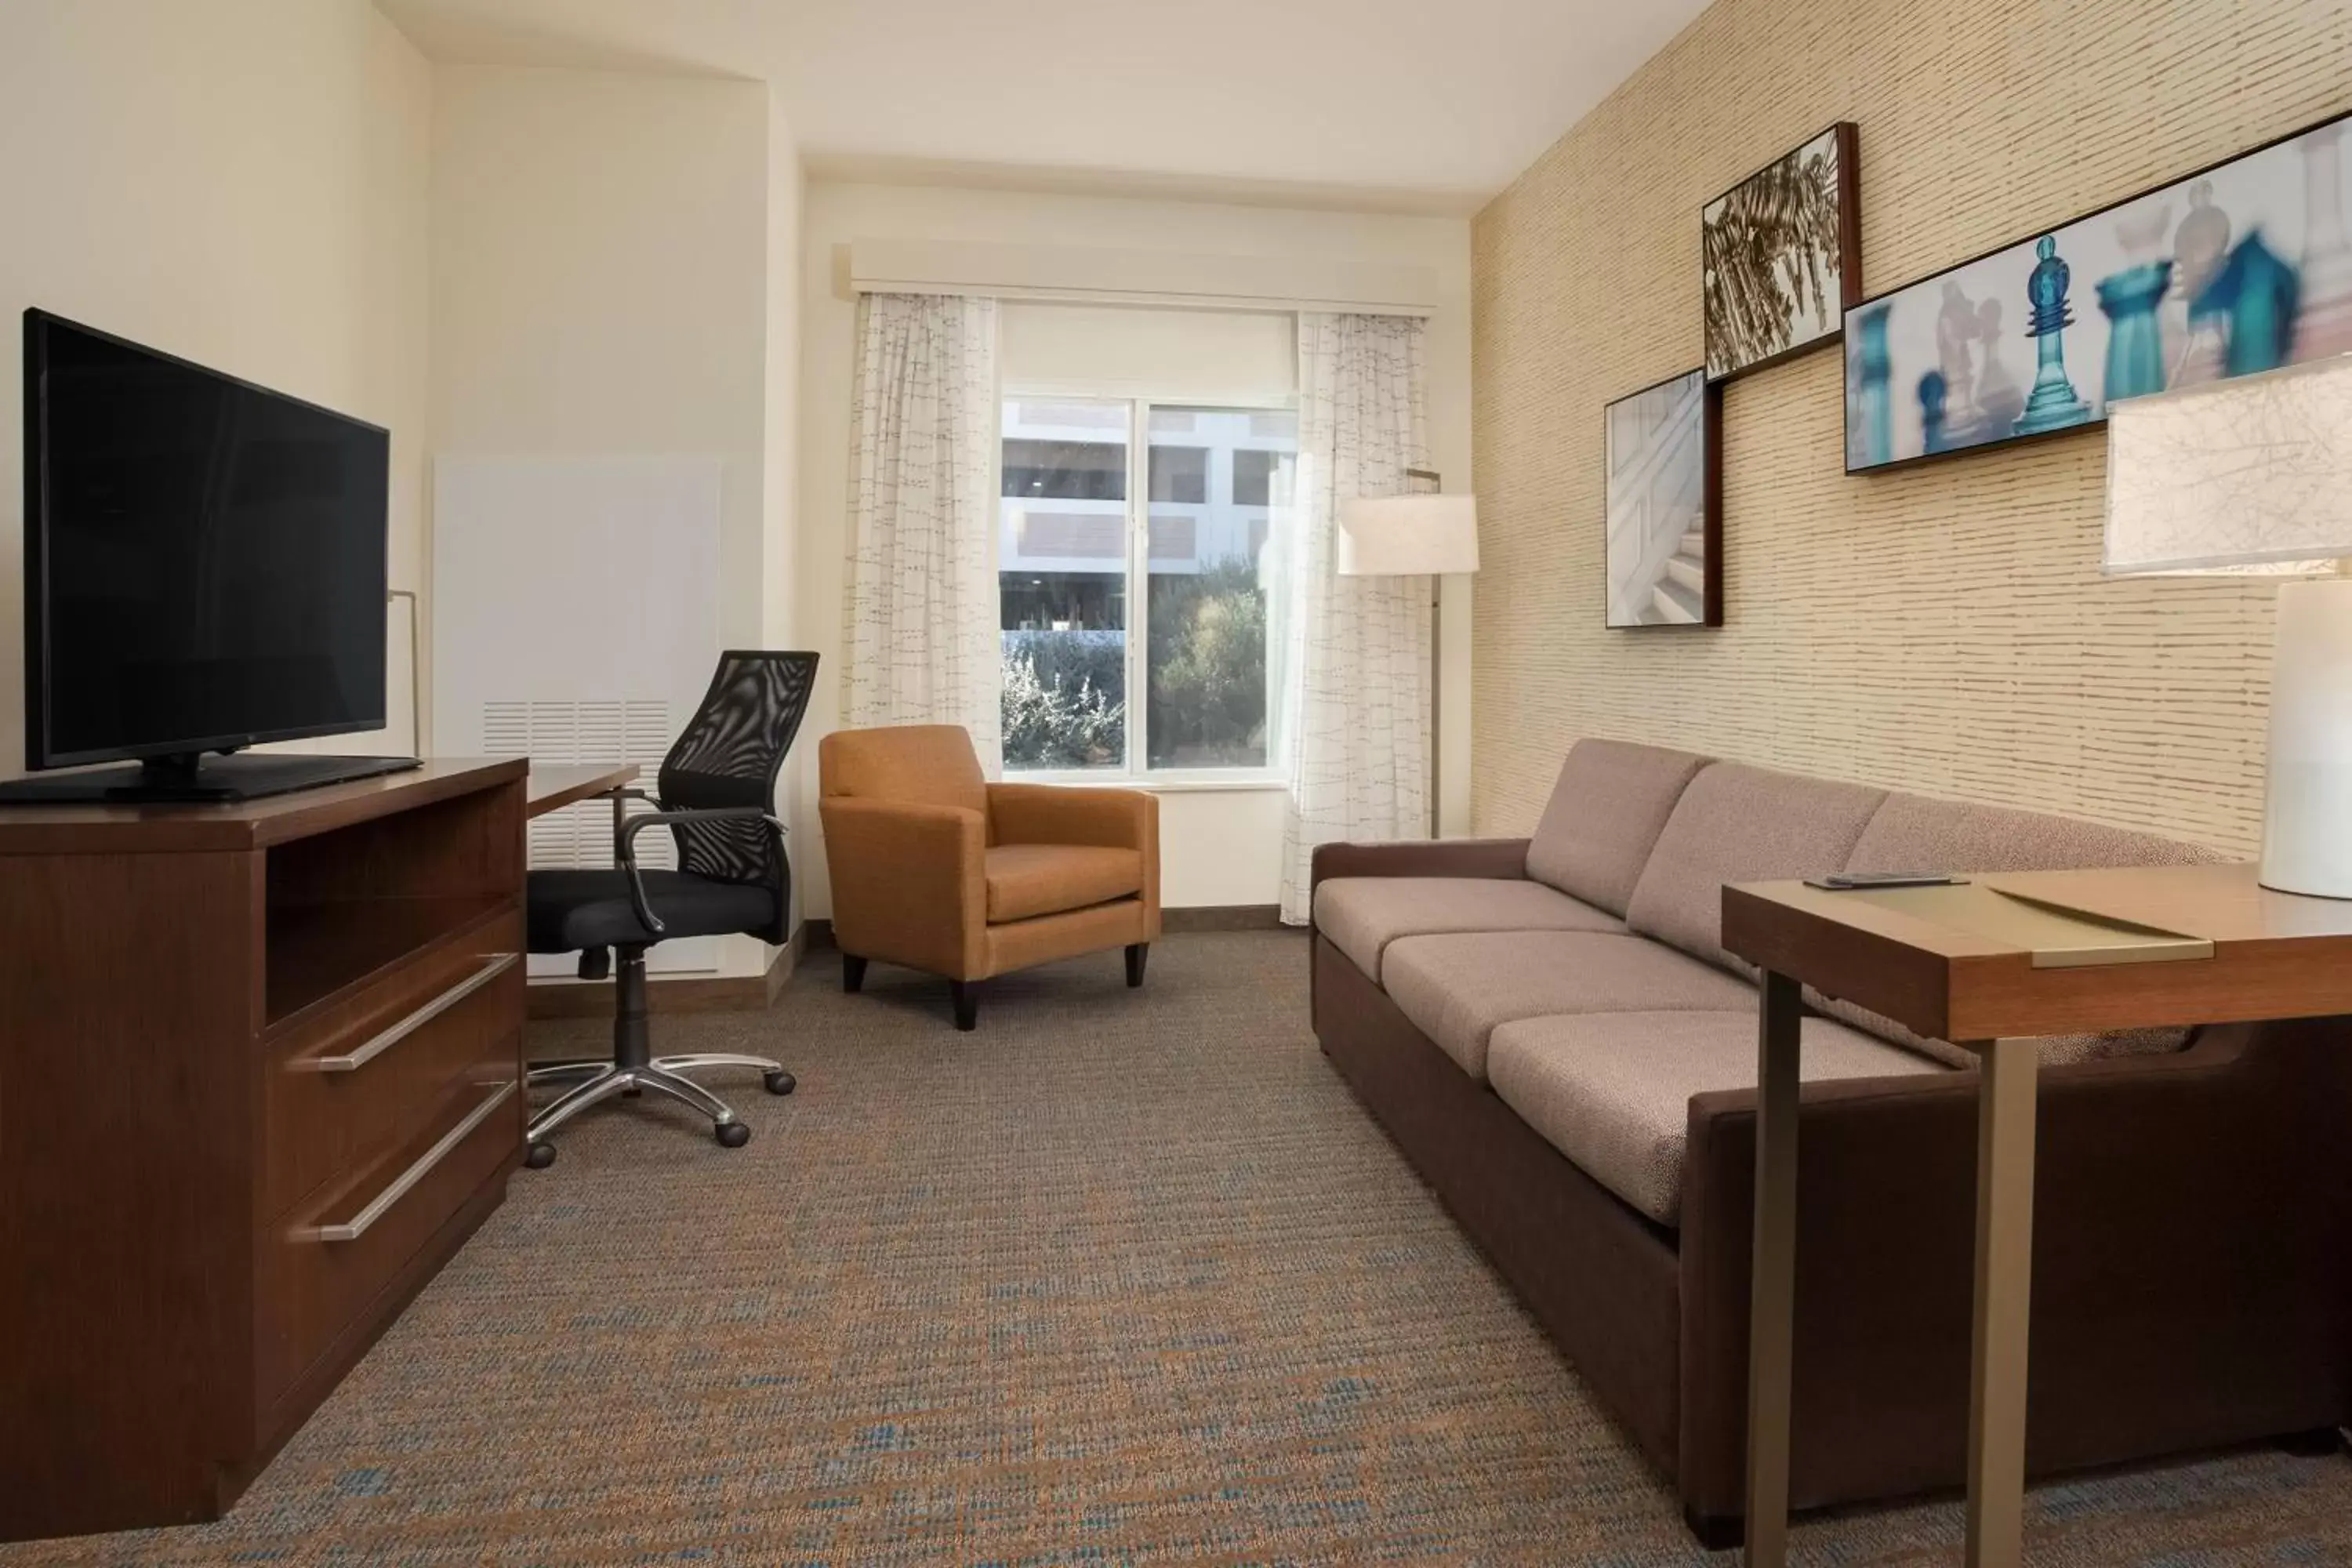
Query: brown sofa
[[935, 868], [1551, 1032]]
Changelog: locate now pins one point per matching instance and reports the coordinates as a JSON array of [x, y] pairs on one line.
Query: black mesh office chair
[[716, 794]]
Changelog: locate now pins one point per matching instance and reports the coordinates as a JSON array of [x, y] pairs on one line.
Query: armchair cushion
[[1026, 880]]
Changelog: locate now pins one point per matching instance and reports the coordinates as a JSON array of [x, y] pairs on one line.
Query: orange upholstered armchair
[[937, 868]]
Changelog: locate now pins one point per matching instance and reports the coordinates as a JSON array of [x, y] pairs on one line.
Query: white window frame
[[1136, 773]]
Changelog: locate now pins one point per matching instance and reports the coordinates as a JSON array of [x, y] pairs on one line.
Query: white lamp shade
[[1408, 536], [2249, 474]]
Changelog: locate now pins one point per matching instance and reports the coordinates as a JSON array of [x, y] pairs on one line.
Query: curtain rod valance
[[1139, 278]]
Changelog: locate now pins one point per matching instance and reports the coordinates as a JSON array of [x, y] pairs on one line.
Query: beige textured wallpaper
[[1944, 627]]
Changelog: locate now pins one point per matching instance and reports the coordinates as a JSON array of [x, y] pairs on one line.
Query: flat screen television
[[204, 571]]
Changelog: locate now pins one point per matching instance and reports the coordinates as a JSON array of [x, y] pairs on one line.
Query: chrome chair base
[[593, 1082]]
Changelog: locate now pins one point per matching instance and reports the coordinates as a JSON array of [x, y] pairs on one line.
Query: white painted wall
[[242, 182], [601, 288], [1217, 846]]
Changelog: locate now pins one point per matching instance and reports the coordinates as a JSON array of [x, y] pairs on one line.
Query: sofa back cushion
[[1739, 824], [1606, 812], [1914, 833]]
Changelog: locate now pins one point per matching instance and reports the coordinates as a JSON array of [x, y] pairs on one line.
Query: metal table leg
[[1774, 1283], [2004, 1284]]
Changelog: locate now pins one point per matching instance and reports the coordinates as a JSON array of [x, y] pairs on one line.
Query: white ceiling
[[1382, 104]]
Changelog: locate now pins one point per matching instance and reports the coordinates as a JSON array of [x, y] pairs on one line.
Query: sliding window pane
[[1220, 514], [1061, 584]]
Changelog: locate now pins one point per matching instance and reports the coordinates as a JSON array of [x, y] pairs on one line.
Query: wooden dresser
[[260, 1075]]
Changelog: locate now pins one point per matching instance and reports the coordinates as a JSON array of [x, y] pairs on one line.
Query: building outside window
[[1140, 552]]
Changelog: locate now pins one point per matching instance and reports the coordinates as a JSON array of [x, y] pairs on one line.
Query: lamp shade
[[2251, 474], [1408, 536]]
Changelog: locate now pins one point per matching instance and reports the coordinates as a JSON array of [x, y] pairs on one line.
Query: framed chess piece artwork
[[2231, 270], [1780, 257], [1662, 456]]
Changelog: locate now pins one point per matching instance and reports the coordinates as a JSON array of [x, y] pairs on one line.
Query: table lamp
[[2254, 476], [1413, 535]]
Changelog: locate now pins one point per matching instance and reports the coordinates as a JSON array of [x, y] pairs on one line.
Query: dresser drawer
[[319, 1269], [356, 1084]]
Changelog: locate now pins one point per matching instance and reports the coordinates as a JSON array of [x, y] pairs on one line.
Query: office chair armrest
[[624, 848]]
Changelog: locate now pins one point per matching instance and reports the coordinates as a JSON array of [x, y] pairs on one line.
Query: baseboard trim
[[1222, 917], [818, 932], [557, 998]]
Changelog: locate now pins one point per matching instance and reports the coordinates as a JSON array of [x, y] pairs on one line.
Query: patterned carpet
[[1120, 1279]]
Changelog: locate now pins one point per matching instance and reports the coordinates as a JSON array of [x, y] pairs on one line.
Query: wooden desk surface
[[1962, 977], [553, 785], [243, 824]]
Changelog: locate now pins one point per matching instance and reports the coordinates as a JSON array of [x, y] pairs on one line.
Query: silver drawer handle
[[497, 964], [357, 1226]]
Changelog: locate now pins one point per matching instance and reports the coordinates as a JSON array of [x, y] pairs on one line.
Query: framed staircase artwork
[[1663, 461]]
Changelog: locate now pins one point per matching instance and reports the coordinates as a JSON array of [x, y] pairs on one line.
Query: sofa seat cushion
[[1362, 915], [1606, 812], [1029, 880], [1613, 1090], [1739, 824], [1914, 833], [1457, 989]]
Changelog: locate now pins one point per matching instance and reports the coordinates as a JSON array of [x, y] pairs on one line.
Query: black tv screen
[[204, 559]]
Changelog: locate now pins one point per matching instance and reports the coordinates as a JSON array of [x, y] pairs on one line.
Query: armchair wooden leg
[[1137, 953], [853, 972], [966, 996]]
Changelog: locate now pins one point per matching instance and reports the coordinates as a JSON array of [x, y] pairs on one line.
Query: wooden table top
[[2041, 952], [554, 785]]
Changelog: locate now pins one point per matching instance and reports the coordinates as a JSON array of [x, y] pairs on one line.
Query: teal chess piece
[[2052, 405], [1934, 390], [2134, 340], [2261, 295], [1871, 417]]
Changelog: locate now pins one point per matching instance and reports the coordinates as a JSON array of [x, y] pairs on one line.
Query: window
[[1175, 517]]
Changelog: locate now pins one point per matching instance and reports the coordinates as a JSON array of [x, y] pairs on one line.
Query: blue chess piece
[[2261, 295], [1933, 392], [1872, 413], [2134, 340], [2052, 404]]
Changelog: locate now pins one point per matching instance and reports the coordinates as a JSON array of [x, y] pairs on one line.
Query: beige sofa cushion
[[1739, 824], [1457, 989], [1613, 1090], [1606, 812], [1914, 833], [1362, 915]]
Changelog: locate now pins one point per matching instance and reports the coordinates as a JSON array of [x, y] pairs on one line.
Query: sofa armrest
[[2184, 1207], [1496, 857], [910, 883]]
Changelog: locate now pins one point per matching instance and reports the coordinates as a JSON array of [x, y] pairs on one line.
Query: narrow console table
[[260, 1075], [1990, 964]]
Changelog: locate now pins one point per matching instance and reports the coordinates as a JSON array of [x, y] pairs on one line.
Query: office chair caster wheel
[[539, 1155], [779, 1083], [731, 1134]]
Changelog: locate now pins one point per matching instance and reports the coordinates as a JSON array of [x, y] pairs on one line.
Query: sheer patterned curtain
[[1354, 650], [920, 631]]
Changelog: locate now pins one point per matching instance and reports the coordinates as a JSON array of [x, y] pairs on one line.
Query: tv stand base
[[186, 780]]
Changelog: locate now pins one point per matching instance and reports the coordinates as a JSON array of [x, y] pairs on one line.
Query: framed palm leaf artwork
[[1780, 254]]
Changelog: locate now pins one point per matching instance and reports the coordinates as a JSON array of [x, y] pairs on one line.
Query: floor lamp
[[2254, 476], [1423, 534]]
